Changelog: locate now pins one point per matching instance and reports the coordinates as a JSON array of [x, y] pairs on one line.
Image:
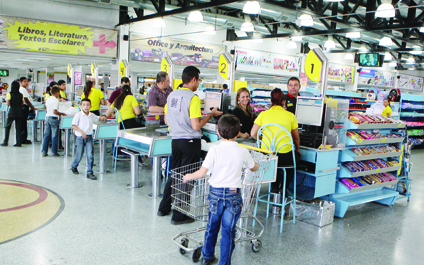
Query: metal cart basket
[[191, 198]]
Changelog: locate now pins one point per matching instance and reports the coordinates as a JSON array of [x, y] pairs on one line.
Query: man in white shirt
[[25, 109], [82, 123], [52, 123]]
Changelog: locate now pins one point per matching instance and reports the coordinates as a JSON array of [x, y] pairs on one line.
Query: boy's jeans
[[52, 129], [224, 210], [89, 146]]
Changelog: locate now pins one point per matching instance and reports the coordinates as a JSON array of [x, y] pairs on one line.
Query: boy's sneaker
[[208, 261], [56, 155], [91, 176], [74, 170], [3, 144], [44, 154]]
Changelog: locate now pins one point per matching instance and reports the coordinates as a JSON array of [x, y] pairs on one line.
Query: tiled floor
[[104, 222]]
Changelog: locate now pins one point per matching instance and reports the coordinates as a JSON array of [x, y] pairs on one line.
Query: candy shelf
[[353, 126], [351, 142], [348, 155], [342, 188], [344, 172]]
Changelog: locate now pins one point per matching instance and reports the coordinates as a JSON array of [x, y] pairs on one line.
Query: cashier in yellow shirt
[[278, 115], [387, 112], [128, 108], [96, 96]]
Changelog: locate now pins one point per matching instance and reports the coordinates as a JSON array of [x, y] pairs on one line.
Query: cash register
[[212, 100]]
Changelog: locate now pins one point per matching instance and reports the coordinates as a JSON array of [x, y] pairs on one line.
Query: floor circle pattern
[[25, 208]]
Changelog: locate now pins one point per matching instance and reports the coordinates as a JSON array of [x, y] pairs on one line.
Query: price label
[[69, 70], [383, 140], [377, 170], [400, 124], [360, 141], [92, 69], [313, 66], [164, 65], [122, 69], [223, 67]]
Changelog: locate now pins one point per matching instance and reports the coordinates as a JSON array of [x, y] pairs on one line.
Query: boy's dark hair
[[228, 126], [86, 99], [161, 76], [53, 83], [189, 72], [22, 79], [55, 90], [60, 82]]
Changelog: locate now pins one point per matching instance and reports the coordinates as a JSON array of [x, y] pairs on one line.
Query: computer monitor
[[309, 111], [212, 100]]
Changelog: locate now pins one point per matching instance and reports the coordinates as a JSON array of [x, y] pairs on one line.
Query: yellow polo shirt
[[127, 108], [95, 96], [278, 115], [387, 110], [9, 97], [62, 94], [195, 109], [46, 97]]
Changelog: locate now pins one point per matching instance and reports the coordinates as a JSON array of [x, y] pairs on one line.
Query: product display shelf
[[348, 155], [408, 113], [349, 141], [346, 173], [342, 188], [345, 198]]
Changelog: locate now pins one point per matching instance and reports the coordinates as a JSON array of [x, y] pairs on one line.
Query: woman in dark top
[[15, 100], [244, 112]]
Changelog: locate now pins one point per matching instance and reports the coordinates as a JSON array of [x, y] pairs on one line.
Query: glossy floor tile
[[104, 222]]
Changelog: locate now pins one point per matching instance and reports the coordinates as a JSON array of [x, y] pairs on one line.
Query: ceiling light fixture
[[252, 7], [353, 35], [292, 45], [422, 29], [195, 16], [411, 60], [330, 44], [363, 48], [247, 26], [385, 10], [348, 56], [335, 0], [417, 50], [158, 23], [306, 20], [387, 56], [386, 41], [297, 38], [209, 30]]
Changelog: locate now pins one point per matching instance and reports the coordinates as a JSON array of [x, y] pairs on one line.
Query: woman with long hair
[[15, 101], [278, 115], [128, 108], [96, 96], [244, 112]]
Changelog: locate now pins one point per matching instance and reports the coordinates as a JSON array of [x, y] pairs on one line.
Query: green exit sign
[[4, 72]]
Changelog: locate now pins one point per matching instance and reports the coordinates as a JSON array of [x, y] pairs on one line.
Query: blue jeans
[[224, 211], [52, 130], [89, 147]]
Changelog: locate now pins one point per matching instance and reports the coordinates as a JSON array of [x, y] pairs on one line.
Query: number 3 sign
[[313, 66]]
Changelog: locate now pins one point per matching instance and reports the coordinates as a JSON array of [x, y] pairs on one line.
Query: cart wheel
[[256, 245], [184, 243], [197, 253]]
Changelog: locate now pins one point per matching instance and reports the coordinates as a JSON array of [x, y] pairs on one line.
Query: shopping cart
[[192, 199]]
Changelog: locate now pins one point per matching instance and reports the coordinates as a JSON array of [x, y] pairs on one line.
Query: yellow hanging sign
[[223, 67], [164, 65], [122, 69], [92, 70], [69, 70], [313, 66]]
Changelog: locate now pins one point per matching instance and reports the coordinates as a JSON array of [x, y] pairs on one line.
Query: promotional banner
[[153, 49], [410, 82], [376, 78], [267, 63], [39, 36], [341, 73]]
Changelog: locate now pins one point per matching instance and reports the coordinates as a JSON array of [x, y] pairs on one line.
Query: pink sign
[[78, 78]]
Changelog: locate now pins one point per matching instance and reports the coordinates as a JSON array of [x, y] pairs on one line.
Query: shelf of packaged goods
[[351, 142], [357, 109], [353, 126], [342, 188], [379, 86], [348, 155], [344, 172]]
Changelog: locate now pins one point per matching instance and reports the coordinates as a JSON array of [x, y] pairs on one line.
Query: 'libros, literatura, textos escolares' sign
[[38, 36]]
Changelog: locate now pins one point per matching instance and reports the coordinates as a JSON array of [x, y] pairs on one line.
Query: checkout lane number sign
[[223, 67], [313, 66], [164, 65], [122, 69]]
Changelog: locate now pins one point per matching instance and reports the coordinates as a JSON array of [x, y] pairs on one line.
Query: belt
[[54, 118]]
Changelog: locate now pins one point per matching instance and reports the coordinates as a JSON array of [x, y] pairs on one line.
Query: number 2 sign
[[313, 66], [223, 67]]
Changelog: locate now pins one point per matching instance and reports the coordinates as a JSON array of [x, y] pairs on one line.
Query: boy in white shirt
[[226, 161], [82, 123], [52, 123]]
